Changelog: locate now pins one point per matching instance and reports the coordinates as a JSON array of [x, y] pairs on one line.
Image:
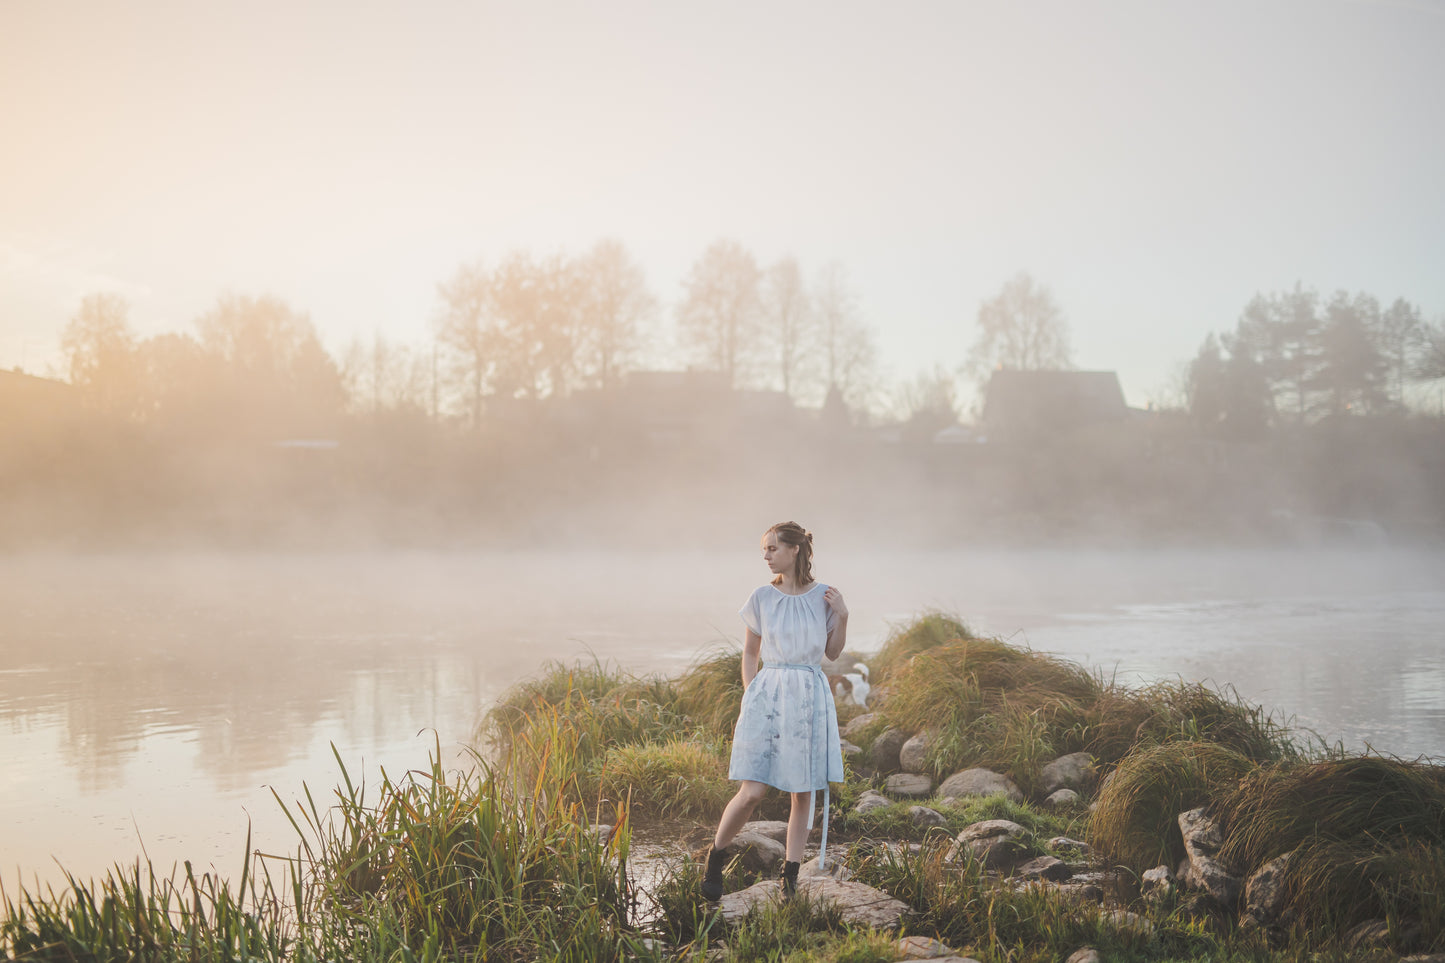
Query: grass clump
[[1136, 820], [894, 822], [992, 704], [925, 632], [680, 777], [1366, 836], [710, 692], [1121, 719]]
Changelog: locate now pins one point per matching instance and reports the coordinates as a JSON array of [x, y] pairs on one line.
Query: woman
[[787, 730]]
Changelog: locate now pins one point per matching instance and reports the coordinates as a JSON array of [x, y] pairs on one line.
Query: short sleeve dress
[[787, 730]]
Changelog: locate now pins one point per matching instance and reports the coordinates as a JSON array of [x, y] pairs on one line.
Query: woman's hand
[[834, 598]]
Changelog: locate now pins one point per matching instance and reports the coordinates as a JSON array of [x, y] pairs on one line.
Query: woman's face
[[779, 555]]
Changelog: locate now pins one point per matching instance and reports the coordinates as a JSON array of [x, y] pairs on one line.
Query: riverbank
[[535, 854]]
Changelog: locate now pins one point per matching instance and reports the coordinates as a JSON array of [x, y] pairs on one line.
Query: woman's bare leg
[[738, 809], [798, 825]]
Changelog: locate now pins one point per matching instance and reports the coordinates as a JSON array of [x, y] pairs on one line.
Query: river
[[152, 703]]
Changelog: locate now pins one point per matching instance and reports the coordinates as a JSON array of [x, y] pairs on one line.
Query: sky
[[1154, 163]]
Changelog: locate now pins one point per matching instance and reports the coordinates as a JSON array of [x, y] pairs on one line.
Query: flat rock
[[980, 782], [1045, 867], [883, 754], [910, 785], [761, 854], [1085, 954], [771, 828], [871, 800], [925, 818], [923, 948], [1062, 799], [836, 867], [913, 755], [855, 902], [1064, 842], [1074, 771], [1127, 920], [994, 842], [857, 724]]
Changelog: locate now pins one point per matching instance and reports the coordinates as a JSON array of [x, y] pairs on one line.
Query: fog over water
[[158, 699]]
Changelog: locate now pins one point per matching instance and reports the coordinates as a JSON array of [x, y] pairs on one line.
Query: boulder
[[1074, 771], [858, 724], [1062, 799], [771, 828], [1264, 894], [603, 832], [1126, 920], [913, 756], [856, 903], [871, 800], [1156, 883], [1045, 867], [1202, 839], [883, 754], [996, 843], [849, 750], [1085, 954], [925, 818], [909, 785], [980, 782], [761, 854]]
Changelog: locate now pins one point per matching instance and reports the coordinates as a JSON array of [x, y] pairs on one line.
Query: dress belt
[[817, 670]]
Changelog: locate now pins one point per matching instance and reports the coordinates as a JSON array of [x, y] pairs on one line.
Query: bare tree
[[536, 309], [1021, 327], [614, 304], [718, 318], [788, 322], [849, 354], [466, 335], [100, 350], [385, 376]]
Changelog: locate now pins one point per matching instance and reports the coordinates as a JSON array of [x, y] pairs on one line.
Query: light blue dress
[[787, 730]]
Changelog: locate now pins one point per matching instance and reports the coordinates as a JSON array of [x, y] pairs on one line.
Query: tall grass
[[710, 692], [1136, 820], [1121, 719], [1366, 834], [928, 631]]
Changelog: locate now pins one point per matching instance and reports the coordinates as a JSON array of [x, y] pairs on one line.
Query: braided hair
[[791, 533]]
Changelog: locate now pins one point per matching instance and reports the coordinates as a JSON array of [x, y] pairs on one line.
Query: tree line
[[1295, 358]]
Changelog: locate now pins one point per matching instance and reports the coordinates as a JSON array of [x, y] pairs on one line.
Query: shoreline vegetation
[[1012, 805]]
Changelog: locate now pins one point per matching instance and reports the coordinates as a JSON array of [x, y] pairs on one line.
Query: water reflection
[[155, 699]]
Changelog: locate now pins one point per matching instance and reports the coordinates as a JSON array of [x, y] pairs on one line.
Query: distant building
[[1033, 405], [24, 395]]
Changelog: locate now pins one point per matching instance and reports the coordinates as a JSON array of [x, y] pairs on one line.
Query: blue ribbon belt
[[818, 674]]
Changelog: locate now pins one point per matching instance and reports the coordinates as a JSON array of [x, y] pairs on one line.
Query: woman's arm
[[752, 646], [839, 636]]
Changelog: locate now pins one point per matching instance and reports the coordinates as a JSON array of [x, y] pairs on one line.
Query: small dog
[[851, 688]]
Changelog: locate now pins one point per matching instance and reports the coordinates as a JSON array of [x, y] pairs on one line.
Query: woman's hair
[[791, 533]]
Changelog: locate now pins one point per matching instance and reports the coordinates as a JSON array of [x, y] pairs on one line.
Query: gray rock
[[980, 782], [1045, 867], [883, 754], [1074, 771], [1064, 842], [856, 903], [1086, 954], [996, 843], [1264, 894], [761, 854], [1156, 883], [836, 867], [1368, 935], [871, 800], [849, 750], [924, 818], [856, 725], [603, 832], [1127, 920], [923, 948], [910, 785], [1062, 799], [771, 828], [913, 756], [1202, 839]]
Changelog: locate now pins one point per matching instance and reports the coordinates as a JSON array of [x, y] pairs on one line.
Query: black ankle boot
[[712, 881], [790, 878]]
